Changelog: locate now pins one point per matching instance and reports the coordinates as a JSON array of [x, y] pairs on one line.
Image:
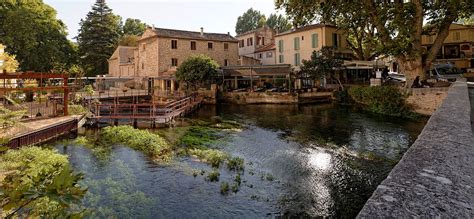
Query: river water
[[311, 160]]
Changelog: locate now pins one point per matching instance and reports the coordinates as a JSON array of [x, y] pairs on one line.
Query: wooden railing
[[43, 134]]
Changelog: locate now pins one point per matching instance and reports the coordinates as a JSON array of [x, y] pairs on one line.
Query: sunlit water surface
[[312, 160]]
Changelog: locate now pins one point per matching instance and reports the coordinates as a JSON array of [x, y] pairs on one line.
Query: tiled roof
[[305, 28], [267, 47], [184, 34], [253, 31]]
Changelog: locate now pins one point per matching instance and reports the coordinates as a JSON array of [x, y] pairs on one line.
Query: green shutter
[[315, 40], [282, 59], [297, 43], [297, 59], [280, 45]]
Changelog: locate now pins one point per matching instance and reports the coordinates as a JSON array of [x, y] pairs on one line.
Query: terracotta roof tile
[[193, 35]]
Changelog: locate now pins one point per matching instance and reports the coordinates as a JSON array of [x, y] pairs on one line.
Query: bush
[[40, 182], [152, 144], [77, 110], [386, 100]]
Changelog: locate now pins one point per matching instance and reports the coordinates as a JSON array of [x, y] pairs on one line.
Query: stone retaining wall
[[274, 97], [435, 177]]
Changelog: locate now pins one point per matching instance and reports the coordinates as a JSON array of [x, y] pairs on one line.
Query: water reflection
[[317, 160]]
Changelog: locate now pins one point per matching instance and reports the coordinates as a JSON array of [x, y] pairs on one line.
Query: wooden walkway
[[154, 112]]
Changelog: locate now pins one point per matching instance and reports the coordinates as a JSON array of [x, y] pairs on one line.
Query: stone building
[[160, 51], [266, 54], [458, 47], [298, 44], [252, 41]]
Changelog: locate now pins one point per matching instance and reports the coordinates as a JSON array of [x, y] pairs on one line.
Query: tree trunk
[[411, 68]]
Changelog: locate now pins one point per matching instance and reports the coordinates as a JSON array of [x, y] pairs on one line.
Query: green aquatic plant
[[39, 182], [235, 163], [235, 187], [224, 188], [143, 140], [212, 156], [213, 176], [198, 137], [238, 179]]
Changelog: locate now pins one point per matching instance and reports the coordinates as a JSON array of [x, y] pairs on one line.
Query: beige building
[[266, 54], [121, 63], [458, 47], [250, 42], [298, 44]]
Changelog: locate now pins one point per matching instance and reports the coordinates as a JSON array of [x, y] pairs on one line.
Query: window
[[334, 40], [143, 65], [302, 38], [241, 43], [297, 43], [281, 59], [144, 46], [314, 40], [260, 55], [174, 44], [457, 36], [174, 62], [209, 46], [193, 45], [226, 62], [297, 59], [226, 46], [269, 54], [280, 45], [250, 41], [263, 41]]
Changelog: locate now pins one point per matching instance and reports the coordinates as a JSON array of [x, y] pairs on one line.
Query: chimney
[[153, 27], [228, 33], [202, 31]]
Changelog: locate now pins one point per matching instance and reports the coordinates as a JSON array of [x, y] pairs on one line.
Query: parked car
[[444, 72]]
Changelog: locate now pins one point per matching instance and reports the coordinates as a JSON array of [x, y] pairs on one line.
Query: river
[[310, 160]]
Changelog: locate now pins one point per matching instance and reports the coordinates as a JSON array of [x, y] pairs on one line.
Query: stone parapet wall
[[274, 97], [435, 177]]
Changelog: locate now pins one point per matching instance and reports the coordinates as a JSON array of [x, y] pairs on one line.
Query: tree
[[31, 31], [250, 20], [197, 70], [467, 20], [9, 118], [98, 38], [398, 25], [278, 23], [322, 64], [129, 40], [133, 27], [10, 64]]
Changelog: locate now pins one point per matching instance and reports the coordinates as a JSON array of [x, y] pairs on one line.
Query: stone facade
[[121, 63], [251, 41], [296, 45], [458, 47]]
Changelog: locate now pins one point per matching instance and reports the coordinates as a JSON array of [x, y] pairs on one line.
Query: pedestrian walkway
[[471, 97]]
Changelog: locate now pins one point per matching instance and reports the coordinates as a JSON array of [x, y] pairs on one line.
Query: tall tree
[[98, 37], [399, 25], [8, 63], [196, 70], [278, 23], [31, 31], [323, 64], [129, 40], [250, 20], [134, 27]]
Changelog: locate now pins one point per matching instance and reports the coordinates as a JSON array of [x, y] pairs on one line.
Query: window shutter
[[280, 45], [315, 40], [297, 43]]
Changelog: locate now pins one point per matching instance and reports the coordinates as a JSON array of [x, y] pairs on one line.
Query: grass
[[236, 164], [224, 188], [213, 176]]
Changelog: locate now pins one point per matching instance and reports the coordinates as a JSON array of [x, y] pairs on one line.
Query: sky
[[217, 16]]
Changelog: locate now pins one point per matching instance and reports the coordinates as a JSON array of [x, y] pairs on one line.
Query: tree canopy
[[10, 64], [134, 27], [323, 63], [196, 70], [250, 20], [129, 40], [279, 23], [397, 26], [31, 31], [98, 37]]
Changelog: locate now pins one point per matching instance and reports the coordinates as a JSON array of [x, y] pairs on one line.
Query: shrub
[[40, 182], [386, 100], [77, 110], [143, 140]]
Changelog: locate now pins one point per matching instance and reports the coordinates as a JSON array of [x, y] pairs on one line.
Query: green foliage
[[197, 69], [211, 156], [278, 23], [129, 40], [10, 64], [89, 89], [31, 31], [98, 38], [236, 164], [235, 187], [134, 27], [224, 188], [198, 137], [250, 20], [77, 110], [213, 176], [152, 144], [9, 118], [386, 100], [322, 64], [38, 183]]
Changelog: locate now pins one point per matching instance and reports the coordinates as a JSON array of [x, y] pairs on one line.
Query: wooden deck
[[154, 112]]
